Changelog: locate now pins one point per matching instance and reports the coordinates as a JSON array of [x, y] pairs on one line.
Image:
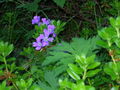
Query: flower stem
[[57, 40], [5, 64]]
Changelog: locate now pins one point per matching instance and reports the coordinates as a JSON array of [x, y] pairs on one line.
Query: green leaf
[[111, 70], [93, 65], [117, 42], [90, 88], [51, 79], [33, 7], [107, 33], [75, 69], [58, 70], [3, 86], [59, 26], [73, 75], [29, 83], [50, 83], [34, 69], [12, 67], [65, 83], [11, 59], [112, 21], [90, 59], [79, 86], [115, 88], [5, 48], [92, 72], [60, 2], [81, 60], [66, 53], [118, 22], [102, 44]]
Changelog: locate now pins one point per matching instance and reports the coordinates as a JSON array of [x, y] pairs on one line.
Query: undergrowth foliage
[[55, 64], [65, 53]]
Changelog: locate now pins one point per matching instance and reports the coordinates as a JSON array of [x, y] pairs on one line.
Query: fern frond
[[65, 52], [51, 81]]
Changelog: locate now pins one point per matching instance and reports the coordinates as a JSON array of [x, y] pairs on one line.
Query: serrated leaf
[[58, 70], [51, 79]]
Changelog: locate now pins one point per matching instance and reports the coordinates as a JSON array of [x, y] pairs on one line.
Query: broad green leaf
[[11, 59], [91, 73], [110, 69], [93, 65], [117, 42], [115, 88], [79, 86], [90, 88], [102, 44], [5, 48], [75, 69], [65, 83], [107, 33], [118, 22], [90, 59], [81, 60], [112, 21], [29, 83], [73, 75], [3, 86]]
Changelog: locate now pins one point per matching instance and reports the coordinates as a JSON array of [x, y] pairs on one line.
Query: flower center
[[39, 44], [45, 39]]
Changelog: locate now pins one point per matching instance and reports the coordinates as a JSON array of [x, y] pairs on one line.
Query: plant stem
[[109, 44], [84, 75], [95, 16], [114, 64], [57, 40], [113, 58], [89, 82], [5, 64], [8, 72], [15, 86]]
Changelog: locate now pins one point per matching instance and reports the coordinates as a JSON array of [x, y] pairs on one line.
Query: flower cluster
[[36, 20], [48, 36]]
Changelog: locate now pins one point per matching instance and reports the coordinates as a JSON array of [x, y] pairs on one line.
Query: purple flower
[[48, 35], [51, 27], [46, 21], [38, 43], [47, 38], [36, 20]]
